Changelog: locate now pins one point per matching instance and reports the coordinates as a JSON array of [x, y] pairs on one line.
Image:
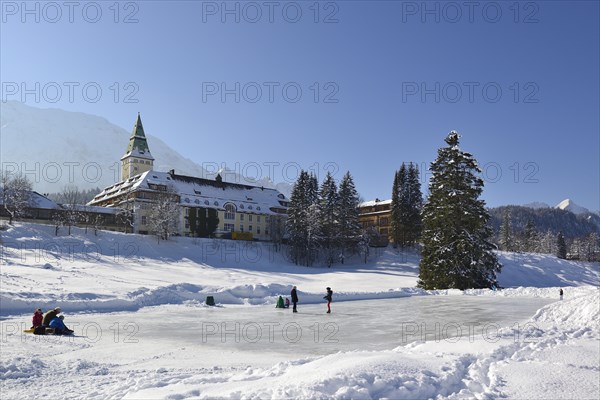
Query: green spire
[[138, 141]]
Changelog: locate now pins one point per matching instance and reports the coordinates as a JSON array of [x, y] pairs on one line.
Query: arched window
[[229, 211]]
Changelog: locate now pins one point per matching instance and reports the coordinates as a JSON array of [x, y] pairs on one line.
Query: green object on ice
[[210, 301], [280, 303]]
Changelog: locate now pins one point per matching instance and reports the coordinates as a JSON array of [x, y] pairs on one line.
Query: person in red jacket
[[36, 321]]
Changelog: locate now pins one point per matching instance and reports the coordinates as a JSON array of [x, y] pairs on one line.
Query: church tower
[[137, 158]]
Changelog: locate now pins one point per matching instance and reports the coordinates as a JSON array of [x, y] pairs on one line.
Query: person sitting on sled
[[59, 326], [279, 303], [38, 316], [287, 303], [50, 315]]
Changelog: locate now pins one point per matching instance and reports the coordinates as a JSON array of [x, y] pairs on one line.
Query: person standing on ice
[[561, 293], [38, 316], [329, 298], [50, 315], [294, 298]]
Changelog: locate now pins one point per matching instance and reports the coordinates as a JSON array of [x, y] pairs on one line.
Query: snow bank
[[583, 309], [116, 271]]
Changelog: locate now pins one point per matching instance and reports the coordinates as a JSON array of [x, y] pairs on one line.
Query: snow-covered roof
[[94, 209], [200, 192], [37, 201], [375, 202]]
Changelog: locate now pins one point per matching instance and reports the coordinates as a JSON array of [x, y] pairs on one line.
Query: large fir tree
[[407, 202], [456, 252], [349, 226], [302, 222], [329, 218], [396, 217], [414, 205]]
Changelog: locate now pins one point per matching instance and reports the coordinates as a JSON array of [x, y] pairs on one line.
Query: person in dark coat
[[294, 298], [329, 298], [561, 294], [50, 315]]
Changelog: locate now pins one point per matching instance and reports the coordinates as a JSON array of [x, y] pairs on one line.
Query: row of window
[[135, 160], [231, 227]]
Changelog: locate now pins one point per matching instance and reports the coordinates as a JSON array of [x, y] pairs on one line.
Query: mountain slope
[[569, 205], [56, 147]]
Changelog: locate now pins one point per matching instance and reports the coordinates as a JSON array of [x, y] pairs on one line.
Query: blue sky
[[381, 83]]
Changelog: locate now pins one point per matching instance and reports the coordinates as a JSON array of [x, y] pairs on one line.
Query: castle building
[[243, 210]]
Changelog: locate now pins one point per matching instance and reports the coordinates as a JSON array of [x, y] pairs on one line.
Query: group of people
[[294, 296], [51, 319]]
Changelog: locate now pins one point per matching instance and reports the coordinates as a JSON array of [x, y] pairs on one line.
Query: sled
[[49, 331]]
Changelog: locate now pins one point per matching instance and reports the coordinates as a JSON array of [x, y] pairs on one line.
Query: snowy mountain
[[537, 205], [63, 147], [569, 205]]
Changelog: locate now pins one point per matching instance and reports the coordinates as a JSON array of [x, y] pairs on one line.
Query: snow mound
[[582, 310]]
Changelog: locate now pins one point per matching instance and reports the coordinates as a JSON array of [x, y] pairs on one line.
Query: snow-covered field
[[142, 330]]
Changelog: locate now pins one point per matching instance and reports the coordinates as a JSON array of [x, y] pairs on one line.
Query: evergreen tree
[[396, 211], [201, 228], [193, 221], [407, 203], [329, 218], [506, 241], [212, 222], [301, 223], [530, 237], [561, 245], [349, 227], [414, 205], [456, 252]]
